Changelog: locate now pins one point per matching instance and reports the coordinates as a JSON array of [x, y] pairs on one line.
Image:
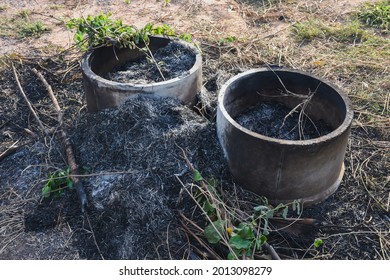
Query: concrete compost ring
[[102, 93], [284, 170]]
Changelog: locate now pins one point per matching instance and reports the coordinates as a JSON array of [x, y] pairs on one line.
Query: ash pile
[[134, 154]]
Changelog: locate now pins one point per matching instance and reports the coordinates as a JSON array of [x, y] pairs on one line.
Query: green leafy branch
[[57, 183], [102, 30], [244, 234]]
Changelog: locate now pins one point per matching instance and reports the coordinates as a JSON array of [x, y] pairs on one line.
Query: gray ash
[[269, 119], [138, 207], [174, 60]]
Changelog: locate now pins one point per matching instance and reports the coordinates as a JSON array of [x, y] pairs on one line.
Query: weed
[[308, 30], [376, 15], [166, 2], [318, 243], [33, 29], [350, 32], [102, 30], [3, 8], [242, 233], [262, 3], [227, 40], [57, 183], [24, 14]]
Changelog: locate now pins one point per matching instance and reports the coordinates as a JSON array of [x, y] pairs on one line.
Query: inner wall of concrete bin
[[269, 86]]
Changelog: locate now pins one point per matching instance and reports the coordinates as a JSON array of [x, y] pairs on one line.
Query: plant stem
[[68, 146], [150, 54]]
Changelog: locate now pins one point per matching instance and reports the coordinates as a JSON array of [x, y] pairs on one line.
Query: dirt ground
[[133, 155]]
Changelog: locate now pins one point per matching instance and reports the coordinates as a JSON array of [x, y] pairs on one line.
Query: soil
[[133, 155], [174, 61], [278, 121]]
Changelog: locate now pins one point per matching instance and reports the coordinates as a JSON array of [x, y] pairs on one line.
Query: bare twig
[[167, 240], [10, 241], [10, 150], [93, 236], [223, 238], [151, 56], [303, 105], [68, 147], [271, 251], [44, 130], [199, 240]]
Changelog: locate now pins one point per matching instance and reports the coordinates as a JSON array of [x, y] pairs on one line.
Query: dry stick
[[271, 251], [94, 237], [204, 245], [268, 247], [152, 58], [225, 242], [10, 150], [167, 240], [44, 130], [68, 147]]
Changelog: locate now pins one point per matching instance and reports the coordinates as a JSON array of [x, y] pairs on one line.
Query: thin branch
[[200, 241], [94, 237], [271, 251], [68, 146], [223, 238], [10, 150], [44, 130], [149, 54]]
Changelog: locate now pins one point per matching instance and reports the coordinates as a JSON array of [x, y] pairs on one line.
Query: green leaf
[[285, 212], [246, 232], [231, 256], [208, 208], [265, 230], [69, 183], [318, 242], [240, 243], [260, 241], [46, 191], [261, 209], [185, 37], [197, 176], [212, 182], [270, 213], [214, 231]]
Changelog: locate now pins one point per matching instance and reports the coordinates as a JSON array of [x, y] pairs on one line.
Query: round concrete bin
[[284, 170], [102, 93]]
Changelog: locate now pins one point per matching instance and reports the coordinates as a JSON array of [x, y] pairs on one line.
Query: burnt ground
[[132, 158]]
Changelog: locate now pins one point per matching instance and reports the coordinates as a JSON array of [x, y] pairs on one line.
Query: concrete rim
[[336, 132], [85, 66]]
